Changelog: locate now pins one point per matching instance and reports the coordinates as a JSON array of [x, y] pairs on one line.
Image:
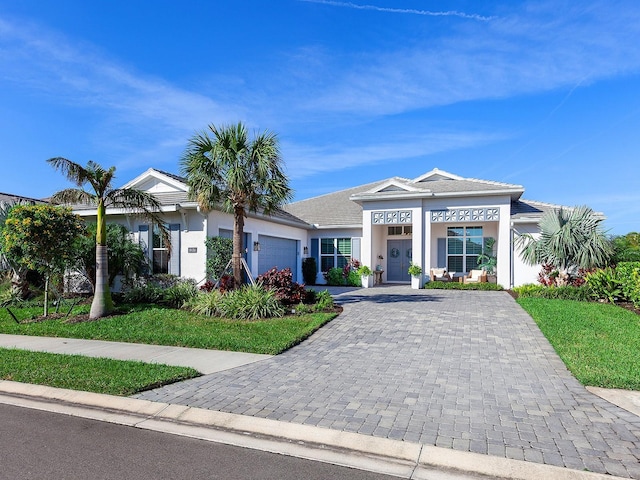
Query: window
[[334, 252], [402, 230], [160, 256], [464, 244]]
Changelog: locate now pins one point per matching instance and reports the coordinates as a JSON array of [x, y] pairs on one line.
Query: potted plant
[[416, 275], [365, 275], [487, 260]]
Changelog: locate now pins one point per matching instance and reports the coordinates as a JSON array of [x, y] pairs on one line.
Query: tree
[[238, 175], [124, 256], [570, 239], [627, 248], [102, 195], [19, 283], [41, 237]]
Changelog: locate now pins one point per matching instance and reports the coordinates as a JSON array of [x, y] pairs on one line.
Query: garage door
[[277, 252]]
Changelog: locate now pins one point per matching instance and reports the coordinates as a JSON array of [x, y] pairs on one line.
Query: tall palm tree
[[569, 239], [102, 195], [231, 172]]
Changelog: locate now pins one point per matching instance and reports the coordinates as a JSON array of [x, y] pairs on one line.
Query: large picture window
[[334, 252], [464, 244]]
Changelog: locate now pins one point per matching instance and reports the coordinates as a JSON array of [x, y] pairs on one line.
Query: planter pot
[[492, 279], [367, 281], [416, 282]]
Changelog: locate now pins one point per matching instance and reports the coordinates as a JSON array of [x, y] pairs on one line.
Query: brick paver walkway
[[459, 369]]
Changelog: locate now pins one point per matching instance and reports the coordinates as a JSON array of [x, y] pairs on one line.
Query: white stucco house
[[436, 220]]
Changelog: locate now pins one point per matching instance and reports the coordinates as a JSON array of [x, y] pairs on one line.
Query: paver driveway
[[459, 369]]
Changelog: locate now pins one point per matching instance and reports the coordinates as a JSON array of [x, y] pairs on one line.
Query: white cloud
[[410, 11], [529, 51]]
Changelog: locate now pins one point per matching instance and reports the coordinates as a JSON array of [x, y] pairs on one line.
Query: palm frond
[[73, 196]]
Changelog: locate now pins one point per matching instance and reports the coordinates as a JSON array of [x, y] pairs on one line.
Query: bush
[[219, 252], [334, 277], [250, 302], [143, 294], [309, 270], [282, 284], [603, 284], [435, 285], [180, 294], [567, 292], [354, 279], [205, 303], [324, 301], [629, 275]]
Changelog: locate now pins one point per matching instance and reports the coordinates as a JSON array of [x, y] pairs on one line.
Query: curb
[[364, 452]]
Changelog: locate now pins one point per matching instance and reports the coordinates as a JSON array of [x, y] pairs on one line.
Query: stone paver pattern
[[465, 370]]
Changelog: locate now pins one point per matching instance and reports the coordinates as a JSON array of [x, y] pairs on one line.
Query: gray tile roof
[[332, 208]]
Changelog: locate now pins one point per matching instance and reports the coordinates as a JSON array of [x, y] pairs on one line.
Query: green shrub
[[335, 277], [309, 270], [324, 301], [628, 274], [178, 295], [354, 279], [143, 294], [566, 292], [205, 303], [603, 284], [250, 302], [435, 285]]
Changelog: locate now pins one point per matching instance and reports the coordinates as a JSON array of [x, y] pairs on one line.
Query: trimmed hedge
[[462, 286], [566, 292]]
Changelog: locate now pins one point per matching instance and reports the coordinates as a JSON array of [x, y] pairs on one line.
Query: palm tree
[[569, 239], [102, 195], [231, 172]]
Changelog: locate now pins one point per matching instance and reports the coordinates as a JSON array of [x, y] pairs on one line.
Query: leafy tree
[[570, 239], [19, 283], [229, 171], [102, 195], [125, 257], [627, 248], [219, 252], [41, 237]]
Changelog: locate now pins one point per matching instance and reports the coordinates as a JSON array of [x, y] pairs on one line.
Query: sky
[[543, 94]]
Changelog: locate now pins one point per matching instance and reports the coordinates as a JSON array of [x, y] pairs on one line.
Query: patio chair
[[476, 276], [440, 275]]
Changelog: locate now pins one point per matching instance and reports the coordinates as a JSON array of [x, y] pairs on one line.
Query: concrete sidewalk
[[205, 361]]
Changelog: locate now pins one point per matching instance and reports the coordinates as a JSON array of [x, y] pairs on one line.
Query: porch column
[[503, 254], [418, 245], [366, 247]]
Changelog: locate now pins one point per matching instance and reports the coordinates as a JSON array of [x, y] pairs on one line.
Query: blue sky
[[544, 94]]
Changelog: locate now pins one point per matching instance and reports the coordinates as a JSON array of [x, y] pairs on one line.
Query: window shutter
[[174, 256], [355, 249], [442, 253], [144, 241], [315, 250]]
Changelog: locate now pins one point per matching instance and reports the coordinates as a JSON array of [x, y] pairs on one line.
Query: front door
[[399, 255]]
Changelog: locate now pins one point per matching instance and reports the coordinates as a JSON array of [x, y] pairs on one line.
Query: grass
[[114, 377], [163, 326], [599, 343]]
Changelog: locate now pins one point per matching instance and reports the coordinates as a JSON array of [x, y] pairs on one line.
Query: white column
[[503, 254], [418, 245]]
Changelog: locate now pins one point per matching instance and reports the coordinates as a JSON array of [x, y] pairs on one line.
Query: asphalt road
[[42, 445]]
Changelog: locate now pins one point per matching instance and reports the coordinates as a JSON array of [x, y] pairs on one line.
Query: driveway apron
[[465, 370]]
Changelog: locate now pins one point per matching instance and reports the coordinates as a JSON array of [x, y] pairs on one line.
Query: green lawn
[[164, 326], [115, 377], [599, 343]]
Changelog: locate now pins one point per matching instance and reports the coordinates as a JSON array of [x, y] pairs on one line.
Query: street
[[42, 445]]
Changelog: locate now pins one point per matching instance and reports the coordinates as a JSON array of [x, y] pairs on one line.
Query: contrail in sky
[[450, 13]]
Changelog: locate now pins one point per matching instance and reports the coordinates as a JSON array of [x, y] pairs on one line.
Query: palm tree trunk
[[238, 232], [102, 303]]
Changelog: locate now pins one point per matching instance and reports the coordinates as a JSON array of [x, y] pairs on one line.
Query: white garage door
[[277, 252]]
